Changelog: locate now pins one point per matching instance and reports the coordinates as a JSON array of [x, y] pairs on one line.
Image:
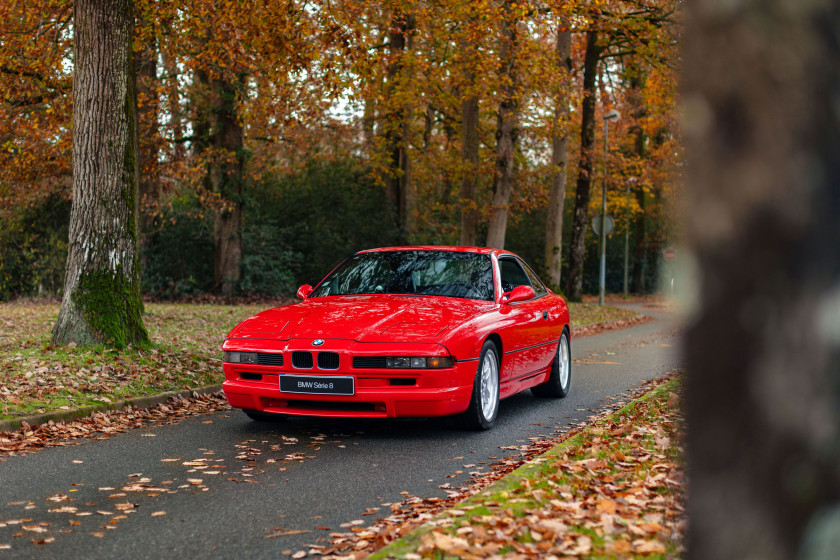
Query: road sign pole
[[603, 283], [603, 275], [627, 241]]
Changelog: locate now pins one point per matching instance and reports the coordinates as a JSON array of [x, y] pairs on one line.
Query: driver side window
[[512, 275]]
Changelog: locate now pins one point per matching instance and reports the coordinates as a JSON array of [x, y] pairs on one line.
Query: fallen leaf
[[284, 533], [648, 547], [63, 509]]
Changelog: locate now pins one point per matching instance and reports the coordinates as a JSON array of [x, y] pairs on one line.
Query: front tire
[[484, 403], [560, 381]]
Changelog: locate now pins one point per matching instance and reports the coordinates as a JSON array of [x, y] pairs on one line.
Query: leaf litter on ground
[[611, 488], [185, 353]]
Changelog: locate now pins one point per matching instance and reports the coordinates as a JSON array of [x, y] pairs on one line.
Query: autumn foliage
[[236, 98]]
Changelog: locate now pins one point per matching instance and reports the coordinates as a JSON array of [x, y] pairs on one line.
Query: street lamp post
[[627, 237], [612, 115]]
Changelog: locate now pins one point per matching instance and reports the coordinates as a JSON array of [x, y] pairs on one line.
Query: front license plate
[[316, 385]]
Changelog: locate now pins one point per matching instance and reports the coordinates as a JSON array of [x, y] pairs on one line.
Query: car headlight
[[241, 357], [414, 362]]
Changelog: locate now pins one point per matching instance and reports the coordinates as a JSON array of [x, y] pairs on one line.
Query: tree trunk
[[449, 126], [148, 110], [396, 127], [226, 178], [102, 302], [218, 140], [637, 80], [369, 124], [640, 245], [173, 106], [506, 130], [469, 172], [580, 221], [559, 159], [763, 348]]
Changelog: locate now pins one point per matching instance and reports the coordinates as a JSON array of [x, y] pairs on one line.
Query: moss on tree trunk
[[102, 302]]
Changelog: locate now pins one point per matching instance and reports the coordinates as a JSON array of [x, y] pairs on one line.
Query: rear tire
[[258, 416], [560, 381], [484, 402]]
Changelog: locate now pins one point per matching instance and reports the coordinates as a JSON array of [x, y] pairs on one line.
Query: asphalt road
[[345, 467]]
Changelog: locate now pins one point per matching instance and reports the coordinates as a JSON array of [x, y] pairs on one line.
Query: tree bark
[[173, 106], [640, 245], [449, 126], [148, 110], [219, 142], [396, 127], [559, 159], [507, 132], [101, 302], [763, 347], [369, 124], [226, 179], [469, 163], [580, 221], [637, 80]]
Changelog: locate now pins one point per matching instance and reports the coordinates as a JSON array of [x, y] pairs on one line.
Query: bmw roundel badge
[[318, 342]]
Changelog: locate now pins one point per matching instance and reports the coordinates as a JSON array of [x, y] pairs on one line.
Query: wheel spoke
[[488, 385], [563, 361]]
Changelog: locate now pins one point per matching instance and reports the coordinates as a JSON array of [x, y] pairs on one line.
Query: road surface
[[216, 486]]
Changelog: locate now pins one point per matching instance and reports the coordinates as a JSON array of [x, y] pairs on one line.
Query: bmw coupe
[[404, 332]]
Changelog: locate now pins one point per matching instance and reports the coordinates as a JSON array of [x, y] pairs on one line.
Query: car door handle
[[545, 314]]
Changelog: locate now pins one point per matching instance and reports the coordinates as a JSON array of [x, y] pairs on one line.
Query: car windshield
[[429, 273]]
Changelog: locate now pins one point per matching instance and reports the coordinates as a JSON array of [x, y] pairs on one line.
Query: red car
[[404, 331]]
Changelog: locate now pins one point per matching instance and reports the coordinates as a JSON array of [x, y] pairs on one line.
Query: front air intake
[[328, 360], [270, 359], [369, 362], [302, 360]]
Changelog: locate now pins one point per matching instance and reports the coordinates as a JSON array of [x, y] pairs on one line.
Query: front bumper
[[379, 392]]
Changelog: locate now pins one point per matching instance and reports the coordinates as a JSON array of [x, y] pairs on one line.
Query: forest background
[[277, 137]]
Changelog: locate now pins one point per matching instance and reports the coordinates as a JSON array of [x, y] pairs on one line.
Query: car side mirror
[[304, 291], [519, 293]]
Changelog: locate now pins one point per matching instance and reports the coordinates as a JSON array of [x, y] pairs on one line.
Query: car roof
[[458, 248]]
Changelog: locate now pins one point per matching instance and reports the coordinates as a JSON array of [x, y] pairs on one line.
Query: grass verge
[[185, 353], [583, 314], [36, 377], [615, 489]]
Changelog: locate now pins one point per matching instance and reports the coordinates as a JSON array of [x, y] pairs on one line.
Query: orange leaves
[[575, 503], [35, 90]]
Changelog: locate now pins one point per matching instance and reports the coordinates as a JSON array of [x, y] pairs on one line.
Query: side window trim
[[533, 276], [519, 263]]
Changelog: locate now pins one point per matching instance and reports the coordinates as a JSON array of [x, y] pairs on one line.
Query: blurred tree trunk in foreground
[[101, 302], [762, 121]]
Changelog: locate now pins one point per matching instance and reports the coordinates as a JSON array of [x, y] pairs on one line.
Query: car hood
[[371, 318]]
